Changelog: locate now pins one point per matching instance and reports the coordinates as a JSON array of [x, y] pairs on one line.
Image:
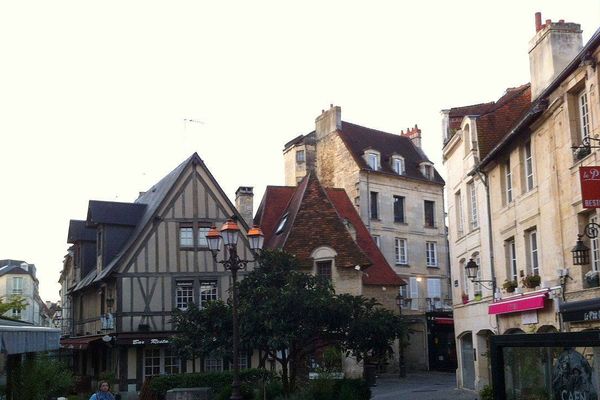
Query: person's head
[[103, 386]]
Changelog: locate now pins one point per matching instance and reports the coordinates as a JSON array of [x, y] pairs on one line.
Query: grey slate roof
[[78, 231], [114, 213]]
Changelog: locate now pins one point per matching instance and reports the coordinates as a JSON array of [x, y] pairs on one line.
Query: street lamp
[[401, 365], [228, 237], [581, 253], [472, 269]]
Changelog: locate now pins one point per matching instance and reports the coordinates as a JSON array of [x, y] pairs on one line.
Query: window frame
[[213, 294], [425, 203], [528, 166], [399, 209], [324, 269], [414, 293], [431, 254], [583, 111], [374, 205], [460, 228], [371, 158], [594, 247], [216, 366], [17, 289], [399, 245], [511, 258], [377, 240], [201, 240], [508, 184], [187, 284], [186, 245], [398, 165], [300, 156], [533, 250], [473, 206]]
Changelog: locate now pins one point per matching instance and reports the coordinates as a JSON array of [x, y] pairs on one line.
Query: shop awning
[[144, 338], [521, 303], [78, 343], [584, 310], [28, 339]]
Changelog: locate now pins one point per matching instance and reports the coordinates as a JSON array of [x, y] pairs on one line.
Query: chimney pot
[[548, 22], [538, 21], [561, 21], [330, 105]]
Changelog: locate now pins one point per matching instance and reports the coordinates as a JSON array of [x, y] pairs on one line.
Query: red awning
[[443, 320], [518, 304], [78, 343]]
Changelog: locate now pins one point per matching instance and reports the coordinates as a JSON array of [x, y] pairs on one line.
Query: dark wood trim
[[140, 367], [119, 322], [131, 293], [123, 369], [142, 313]]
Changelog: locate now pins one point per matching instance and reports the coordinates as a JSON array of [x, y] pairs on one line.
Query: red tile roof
[[495, 119], [310, 205], [380, 272]]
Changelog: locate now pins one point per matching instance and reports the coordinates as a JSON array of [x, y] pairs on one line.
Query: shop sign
[[572, 377], [590, 186], [581, 315], [149, 341]]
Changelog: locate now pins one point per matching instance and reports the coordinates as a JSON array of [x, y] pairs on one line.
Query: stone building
[[18, 278], [523, 168], [399, 196]]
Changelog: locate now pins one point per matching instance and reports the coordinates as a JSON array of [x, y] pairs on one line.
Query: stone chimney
[[553, 47], [244, 197], [329, 121], [414, 134]]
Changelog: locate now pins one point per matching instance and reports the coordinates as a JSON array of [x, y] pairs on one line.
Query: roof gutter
[[540, 105]]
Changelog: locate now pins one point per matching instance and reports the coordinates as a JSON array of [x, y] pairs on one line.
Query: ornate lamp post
[[471, 269], [228, 237], [401, 365]]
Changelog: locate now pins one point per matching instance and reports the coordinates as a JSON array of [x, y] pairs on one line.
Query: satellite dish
[[106, 338]]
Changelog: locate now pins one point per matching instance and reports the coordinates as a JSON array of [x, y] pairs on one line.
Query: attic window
[[398, 165], [372, 160], [427, 171], [281, 224]]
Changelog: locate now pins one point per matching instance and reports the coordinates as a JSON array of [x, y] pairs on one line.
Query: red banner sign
[[590, 186]]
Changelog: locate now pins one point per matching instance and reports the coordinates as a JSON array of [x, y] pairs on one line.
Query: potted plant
[[592, 278], [465, 298], [477, 297], [531, 281], [510, 286]]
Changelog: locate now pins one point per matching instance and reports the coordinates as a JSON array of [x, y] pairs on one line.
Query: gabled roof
[[79, 231], [494, 119], [13, 267], [309, 205], [359, 138], [114, 213], [150, 202]]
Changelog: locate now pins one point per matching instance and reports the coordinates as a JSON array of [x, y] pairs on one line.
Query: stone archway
[[483, 366], [547, 329], [467, 363]]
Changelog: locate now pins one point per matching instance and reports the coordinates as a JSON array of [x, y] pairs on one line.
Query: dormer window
[[398, 165], [427, 171], [300, 156], [372, 160], [281, 224]]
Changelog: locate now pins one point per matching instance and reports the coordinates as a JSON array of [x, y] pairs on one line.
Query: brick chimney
[[244, 197], [414, 134], [329, 121], [553, 47]]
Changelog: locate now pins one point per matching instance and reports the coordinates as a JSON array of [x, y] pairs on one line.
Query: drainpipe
[[485, 180], [368, 204]]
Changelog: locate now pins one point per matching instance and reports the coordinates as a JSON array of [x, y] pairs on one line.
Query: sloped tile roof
[[359, 138], [316, 217]]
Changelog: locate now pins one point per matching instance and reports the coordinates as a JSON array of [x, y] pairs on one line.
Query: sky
[[94, 96]]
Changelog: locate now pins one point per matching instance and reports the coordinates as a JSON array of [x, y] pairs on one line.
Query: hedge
[[217, 381]]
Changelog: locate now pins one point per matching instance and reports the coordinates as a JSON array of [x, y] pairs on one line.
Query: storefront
[[441, 342], [563, 366]]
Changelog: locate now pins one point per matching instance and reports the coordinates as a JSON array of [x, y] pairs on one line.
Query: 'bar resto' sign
[[590, 186]]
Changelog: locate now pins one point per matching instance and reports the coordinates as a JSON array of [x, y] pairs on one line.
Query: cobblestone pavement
[[420, 386]]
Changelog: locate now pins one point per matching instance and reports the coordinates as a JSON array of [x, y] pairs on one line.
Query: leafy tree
[[289, 315], [15, 301]]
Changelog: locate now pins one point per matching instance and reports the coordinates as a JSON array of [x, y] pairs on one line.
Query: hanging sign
[[590, 186], [572, 377]]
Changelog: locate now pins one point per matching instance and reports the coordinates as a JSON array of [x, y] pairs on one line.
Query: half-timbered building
[[148, 258]]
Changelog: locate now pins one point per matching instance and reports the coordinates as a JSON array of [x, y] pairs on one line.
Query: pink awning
[[443, 320], [518, 304]]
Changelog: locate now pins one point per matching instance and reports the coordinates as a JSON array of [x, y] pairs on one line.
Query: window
[[202, 232], [414, 293], [528, 166], [243, 360], [374, 205], [208, 292], [373, 161], [429, 207], [377, 240], [427, 171], [431, 251], [533, 252], [584, 115], [595, 248], [17, 285], [477, 286], [459, 213], [324, 269], [466, 281], [508, 182], [151, 362], [186, 236], [434, 291], [213, 364], [172, 362], [16, 313], [511, 258], [300, 156], [401, 251], [281, 224], [404, 292], [398, 165], [473, 198], [184, 294], [399, 209]]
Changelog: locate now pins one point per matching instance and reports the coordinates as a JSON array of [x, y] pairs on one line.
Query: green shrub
[[269, 390], [217, 381], [353, 389], [486, 393], [323, 389], [42, 377]]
